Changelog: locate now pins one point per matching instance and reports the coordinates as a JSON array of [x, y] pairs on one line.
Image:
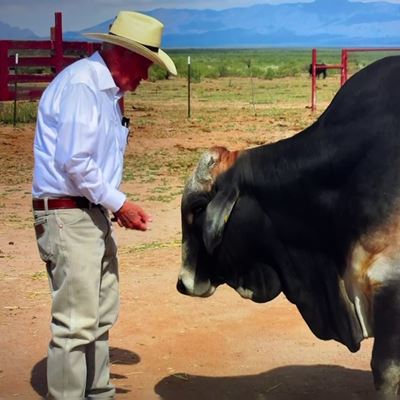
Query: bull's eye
[[197, 210]]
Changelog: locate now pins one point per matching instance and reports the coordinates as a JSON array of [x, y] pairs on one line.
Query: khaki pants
[[80, 253]]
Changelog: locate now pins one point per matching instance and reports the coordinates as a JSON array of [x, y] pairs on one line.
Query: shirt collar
[[105, 79]]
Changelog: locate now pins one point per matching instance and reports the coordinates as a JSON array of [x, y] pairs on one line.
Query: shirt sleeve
[[77, 141]]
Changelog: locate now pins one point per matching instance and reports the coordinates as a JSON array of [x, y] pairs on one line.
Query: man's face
[[130, 69]]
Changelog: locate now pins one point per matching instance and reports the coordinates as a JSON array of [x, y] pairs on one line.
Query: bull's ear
[[217, 214]]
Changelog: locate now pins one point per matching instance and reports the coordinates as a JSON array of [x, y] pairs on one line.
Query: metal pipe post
[[189, 79]]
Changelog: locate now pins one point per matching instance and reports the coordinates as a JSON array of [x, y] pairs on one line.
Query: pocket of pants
[[70, 217], [41, 226]]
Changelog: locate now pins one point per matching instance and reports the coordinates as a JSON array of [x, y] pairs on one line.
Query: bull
[[320, 69], [315, 216]]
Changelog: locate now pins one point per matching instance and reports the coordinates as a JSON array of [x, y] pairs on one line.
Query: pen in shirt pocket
[[125, 122]]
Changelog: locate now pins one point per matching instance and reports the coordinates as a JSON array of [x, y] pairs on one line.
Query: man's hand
[[132, 216]]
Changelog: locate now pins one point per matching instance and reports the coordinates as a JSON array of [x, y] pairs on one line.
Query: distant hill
[[11, 32], [326, 23]]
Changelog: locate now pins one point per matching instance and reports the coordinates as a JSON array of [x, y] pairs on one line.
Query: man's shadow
[[315, 382], [117, 356]]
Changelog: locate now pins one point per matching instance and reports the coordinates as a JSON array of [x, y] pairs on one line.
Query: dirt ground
[[165, 345]]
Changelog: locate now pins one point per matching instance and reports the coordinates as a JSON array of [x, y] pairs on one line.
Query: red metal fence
[[18, 57], [343, 66]]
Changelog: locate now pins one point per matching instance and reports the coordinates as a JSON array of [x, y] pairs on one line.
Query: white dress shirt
[[80, 141]]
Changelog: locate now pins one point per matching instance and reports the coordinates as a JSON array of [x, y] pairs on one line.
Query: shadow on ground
[[319, 382], [117, 356]]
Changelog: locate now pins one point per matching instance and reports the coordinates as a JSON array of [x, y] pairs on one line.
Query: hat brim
[[160, 57]]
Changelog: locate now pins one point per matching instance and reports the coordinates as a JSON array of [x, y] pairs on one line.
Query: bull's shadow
[[318, 382], [117, 356]]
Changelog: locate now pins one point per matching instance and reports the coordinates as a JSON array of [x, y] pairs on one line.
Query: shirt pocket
[[122, 137]]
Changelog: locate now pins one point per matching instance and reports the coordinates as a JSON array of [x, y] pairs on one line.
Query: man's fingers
[[133, 223], [131, 216]]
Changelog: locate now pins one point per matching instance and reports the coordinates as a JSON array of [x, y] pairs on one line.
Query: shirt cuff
[[113, 200]]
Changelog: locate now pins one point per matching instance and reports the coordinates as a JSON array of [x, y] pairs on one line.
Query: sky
[[38, 15]]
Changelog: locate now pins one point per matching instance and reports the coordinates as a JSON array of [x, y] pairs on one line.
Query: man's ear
[[217, 214]]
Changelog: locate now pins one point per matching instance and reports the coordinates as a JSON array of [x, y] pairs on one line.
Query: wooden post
[[314, 80], [58, 43], [344, 72], [4, 78]]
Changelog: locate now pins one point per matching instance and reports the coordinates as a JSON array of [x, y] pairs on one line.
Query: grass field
[[262, 72], [263, 63]]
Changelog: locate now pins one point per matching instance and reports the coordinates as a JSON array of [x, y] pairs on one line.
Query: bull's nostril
[[181, 287]]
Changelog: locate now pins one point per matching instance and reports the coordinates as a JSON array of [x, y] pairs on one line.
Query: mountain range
[[328, 23], [11, 32]]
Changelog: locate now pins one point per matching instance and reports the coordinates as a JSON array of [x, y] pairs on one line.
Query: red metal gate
[[343, 66], [17, 57]]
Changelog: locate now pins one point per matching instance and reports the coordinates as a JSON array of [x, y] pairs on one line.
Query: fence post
[[189, 79], [15, 91], [58, 43], [314, 80], [4, 78], [343, 75]]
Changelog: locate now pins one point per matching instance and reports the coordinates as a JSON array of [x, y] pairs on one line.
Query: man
[[79, 145]]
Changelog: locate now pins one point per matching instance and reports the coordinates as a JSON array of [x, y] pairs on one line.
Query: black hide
[[304, 201]]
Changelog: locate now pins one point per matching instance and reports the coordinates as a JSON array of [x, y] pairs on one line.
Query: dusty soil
[[165, 345]]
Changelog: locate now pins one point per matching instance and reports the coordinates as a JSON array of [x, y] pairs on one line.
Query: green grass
[[25, 112], [38, 276], [153, 165], [265, 65], [151, 246]]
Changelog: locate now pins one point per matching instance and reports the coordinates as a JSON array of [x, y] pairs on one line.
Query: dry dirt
[[165, 345]]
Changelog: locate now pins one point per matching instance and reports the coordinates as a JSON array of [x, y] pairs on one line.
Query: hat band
[[151, 48]]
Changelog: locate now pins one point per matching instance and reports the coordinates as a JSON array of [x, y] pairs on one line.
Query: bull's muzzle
[[198, 289], [180, 286]]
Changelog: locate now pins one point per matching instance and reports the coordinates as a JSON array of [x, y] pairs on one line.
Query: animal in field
[[320, 70], [315, 216]]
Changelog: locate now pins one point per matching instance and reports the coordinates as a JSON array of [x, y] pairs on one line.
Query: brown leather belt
[[62, 203]]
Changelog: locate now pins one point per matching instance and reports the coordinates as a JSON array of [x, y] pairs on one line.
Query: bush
[[157, 73], [223, 71]]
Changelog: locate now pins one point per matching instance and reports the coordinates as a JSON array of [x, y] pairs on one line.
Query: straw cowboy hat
[[140, 34]]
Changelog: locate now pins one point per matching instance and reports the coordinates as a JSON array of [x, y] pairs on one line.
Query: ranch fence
[[19, 57], [343, 66]]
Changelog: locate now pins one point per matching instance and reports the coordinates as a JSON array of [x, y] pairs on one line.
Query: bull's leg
[[385, 361]]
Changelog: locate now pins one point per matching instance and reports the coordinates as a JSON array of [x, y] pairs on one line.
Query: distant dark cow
[[315, 216], [320, 70]]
